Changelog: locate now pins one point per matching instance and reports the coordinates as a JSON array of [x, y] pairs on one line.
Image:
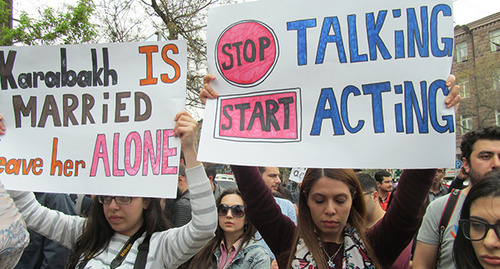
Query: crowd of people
[[343, 218]]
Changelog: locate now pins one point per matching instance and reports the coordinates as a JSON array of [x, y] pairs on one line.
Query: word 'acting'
[[66, 113], [328, 108], [138, 150], [420, 33], [271, 116]]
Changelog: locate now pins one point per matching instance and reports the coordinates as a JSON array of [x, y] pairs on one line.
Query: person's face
[[330, 202], [272, 177], [487, 251], [229, 223], [484, 158], [386, 184], [438, 178], [125, 219]]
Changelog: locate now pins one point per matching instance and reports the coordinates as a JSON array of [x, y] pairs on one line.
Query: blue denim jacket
[[252, 255]]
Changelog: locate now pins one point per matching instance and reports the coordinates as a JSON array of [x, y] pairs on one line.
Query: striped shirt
[[167, 249]]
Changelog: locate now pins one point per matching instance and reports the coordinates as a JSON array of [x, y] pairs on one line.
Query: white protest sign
[[297, 174], [93, 119], [350, 84]]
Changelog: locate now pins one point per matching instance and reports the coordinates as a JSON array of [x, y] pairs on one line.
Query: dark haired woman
[[116, 225], [477, 244], [233, 245]]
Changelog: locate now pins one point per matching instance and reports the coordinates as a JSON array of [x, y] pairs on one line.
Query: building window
[[462, 52], [496, 80], [495, 40], [465, 124], [464, 89], [497, 117]]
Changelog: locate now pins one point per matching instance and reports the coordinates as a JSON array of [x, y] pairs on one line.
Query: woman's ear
[[146, 203]]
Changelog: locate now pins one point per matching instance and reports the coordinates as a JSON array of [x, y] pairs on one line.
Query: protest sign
[[349, 84], [92, 119], [297, 174]]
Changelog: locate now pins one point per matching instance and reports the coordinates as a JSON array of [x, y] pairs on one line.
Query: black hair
[[210, 170], [379, 176], [463, 252], [367, 182], [97, 232], [470, 138]]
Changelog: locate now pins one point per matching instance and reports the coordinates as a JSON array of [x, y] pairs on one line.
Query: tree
[[68, 26], [120, 20], [187, 20]]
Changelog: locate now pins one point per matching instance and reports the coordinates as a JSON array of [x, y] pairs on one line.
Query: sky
[[465, 11]]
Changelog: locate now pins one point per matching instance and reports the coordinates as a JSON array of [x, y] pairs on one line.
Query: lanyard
[[120, 257]]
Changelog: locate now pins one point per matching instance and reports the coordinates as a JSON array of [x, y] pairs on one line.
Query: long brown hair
[[97, 232], [205, 258], [305, 224]]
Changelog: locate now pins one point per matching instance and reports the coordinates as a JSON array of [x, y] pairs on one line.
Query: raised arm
[[261, 208], [177, 245], [390, 236]]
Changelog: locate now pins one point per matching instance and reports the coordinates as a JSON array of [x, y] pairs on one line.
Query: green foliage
[[70, 26]]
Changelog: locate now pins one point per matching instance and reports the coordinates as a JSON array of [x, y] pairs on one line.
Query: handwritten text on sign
[[92, 118], [371, 77]]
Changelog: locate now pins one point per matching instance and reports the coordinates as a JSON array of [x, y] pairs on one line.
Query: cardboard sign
[[357, 84], [92, 119], [297, 174]]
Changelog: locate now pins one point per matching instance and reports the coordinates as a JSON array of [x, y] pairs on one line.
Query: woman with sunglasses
[[116, 226], [477, 244], [233, 245]]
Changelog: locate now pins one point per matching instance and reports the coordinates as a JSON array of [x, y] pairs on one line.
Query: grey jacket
[[252, 255]]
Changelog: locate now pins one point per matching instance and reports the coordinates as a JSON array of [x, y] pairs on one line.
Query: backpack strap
[[142, 255], [446, 216]]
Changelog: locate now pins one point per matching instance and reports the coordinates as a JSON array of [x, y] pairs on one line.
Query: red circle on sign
[[246, 53]]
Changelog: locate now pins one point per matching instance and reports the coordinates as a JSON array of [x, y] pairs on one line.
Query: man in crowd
[[480, 155], [437, 189], [181, 208], [374, 213], [384, 183], [211, 171]]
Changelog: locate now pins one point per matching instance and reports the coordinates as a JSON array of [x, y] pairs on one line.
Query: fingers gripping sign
[[185, 129], [208, 92]]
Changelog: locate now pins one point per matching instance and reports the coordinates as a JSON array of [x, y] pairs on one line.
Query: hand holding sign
[[207, 92], [453, 99], [2, 126], [186, 128]]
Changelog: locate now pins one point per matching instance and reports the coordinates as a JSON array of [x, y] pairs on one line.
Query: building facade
[[476, 64]]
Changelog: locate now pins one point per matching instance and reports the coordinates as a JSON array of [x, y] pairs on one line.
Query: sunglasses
[[238, 211]]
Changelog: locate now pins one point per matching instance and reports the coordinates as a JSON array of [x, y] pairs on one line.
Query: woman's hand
[[207, 92], [453, 99], [186, 128], [2, 126]]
